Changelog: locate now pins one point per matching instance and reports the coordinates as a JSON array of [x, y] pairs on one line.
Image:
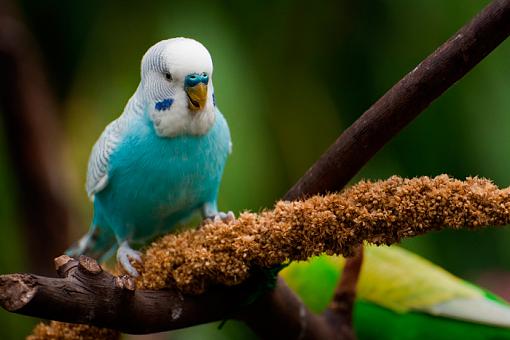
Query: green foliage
[[373, 321], [387, 325]]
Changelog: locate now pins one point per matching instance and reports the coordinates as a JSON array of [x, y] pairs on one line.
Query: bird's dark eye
[[168, 76]]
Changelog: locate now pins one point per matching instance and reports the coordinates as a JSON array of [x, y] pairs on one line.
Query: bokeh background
[[289, 76]]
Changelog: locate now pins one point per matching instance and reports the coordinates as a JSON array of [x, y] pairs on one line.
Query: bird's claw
[[224, 217], [220, 217], [125, 253]]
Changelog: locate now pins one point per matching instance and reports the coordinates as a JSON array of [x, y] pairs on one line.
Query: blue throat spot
[[164, 104], [214, 99]]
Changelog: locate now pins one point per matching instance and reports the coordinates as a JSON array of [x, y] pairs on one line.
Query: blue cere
[[195, 78], [164, 104]]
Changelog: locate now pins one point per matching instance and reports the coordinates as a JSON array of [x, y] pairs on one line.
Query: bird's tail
[[98, 243]]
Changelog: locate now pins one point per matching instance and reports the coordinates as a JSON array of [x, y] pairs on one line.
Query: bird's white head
[[177, 87]]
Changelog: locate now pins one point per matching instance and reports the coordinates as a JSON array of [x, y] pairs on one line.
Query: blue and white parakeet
[[162, 159]]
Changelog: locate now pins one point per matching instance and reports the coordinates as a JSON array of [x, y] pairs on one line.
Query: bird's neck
[[173, 122]]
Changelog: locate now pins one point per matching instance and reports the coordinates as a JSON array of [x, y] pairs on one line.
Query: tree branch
[[355, 147], [339, 313], [401, 104], [219, 255], [112, 301], [405, 101], [287, 310], [381, 212]]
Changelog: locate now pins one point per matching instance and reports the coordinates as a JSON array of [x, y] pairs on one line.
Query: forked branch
[[378, 212]]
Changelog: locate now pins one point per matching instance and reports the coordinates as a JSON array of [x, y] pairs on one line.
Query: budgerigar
[[162, 159], [403, 296]]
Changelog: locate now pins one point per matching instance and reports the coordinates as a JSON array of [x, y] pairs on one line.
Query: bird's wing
[[225, 129], [97, 172]]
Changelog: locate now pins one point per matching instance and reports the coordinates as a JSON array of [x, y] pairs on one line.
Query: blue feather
[[164, 104], [157, 182]]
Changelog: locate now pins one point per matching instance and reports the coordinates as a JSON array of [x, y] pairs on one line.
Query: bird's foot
[[220, 217], [125, 253]]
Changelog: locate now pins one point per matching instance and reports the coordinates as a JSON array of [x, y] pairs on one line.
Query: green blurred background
[[289, 76]]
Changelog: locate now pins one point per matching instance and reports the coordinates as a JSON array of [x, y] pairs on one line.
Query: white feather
[[479, 310], [97, 172], [179, 57]]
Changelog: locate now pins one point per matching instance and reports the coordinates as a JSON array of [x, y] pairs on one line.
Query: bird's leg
[[210, 213], [79, 247], [124, 253], [98, 243]]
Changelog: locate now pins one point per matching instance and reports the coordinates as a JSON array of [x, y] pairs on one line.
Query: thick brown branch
[[107, 301]]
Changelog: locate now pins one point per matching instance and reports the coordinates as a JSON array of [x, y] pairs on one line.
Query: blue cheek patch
[[164, 104]]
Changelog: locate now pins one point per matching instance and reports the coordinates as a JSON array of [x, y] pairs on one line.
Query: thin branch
[[340, 311], [405, 101], [30, 115], [295, 320]]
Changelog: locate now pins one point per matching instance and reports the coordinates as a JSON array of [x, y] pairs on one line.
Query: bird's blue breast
[[154, 182]]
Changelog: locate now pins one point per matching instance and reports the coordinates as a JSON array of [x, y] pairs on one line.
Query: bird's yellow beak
[[197, 96]]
